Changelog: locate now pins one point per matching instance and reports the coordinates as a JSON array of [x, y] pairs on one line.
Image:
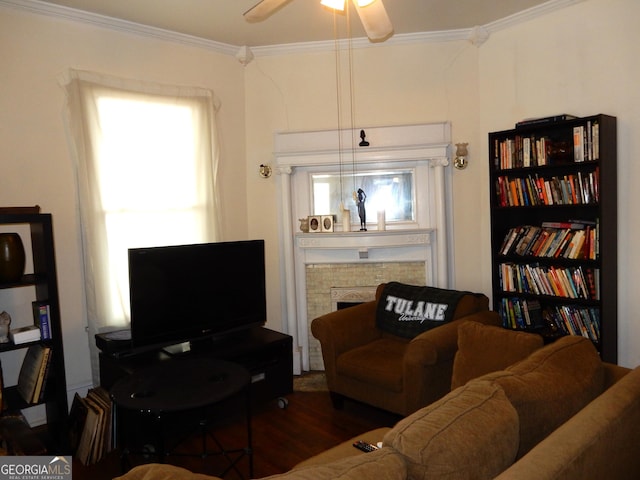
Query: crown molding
[[529, 14], [116, 24], [102, 21]]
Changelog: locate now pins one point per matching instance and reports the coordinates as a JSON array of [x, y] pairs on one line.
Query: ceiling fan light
[[335, 4], [375, 21]]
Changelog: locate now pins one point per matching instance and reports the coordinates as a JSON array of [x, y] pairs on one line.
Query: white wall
[[578, 60], [36, 167], [394, 85]]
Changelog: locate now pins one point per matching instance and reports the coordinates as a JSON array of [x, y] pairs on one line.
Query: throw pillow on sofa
[[486, 348], [472, 433], [550, 386]]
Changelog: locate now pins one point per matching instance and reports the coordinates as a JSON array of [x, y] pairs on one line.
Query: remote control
[[365, 446]]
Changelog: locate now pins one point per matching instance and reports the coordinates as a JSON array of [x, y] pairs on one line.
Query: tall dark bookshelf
[[550, 180], [43, 281]]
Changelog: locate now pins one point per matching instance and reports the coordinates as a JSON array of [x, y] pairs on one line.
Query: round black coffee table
[[180, 386]]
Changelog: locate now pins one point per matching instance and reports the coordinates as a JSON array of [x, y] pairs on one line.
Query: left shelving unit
[[41, 286]]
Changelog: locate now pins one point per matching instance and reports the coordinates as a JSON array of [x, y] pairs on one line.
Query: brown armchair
[[396, 374]]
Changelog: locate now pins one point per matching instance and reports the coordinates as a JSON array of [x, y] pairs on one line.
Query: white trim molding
[[425, 148], [476, 35]]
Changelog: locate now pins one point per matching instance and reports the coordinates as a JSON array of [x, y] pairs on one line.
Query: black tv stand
[[267, 354]]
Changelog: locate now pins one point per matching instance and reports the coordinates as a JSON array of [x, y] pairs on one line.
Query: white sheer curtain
[[146, 162]]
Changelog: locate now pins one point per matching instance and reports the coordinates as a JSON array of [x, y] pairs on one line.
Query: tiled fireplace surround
[[320, 266], [330, 283]]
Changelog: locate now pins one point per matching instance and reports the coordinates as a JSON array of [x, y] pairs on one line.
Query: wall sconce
[[460, 161], [265, 171]]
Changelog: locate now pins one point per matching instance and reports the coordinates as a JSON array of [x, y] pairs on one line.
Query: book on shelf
[[20, 335], [38, 394], [529, 190], [576, 320], [521, 313], [568, 282], [32, 372], [578, 143], [571, 239], [524, 150], [42, 318]]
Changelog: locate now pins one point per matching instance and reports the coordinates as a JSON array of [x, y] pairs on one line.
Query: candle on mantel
[[346, 220], [381, 220]]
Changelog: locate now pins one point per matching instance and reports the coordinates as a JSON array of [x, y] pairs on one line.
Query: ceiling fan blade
[[375, 20], [263, 10]]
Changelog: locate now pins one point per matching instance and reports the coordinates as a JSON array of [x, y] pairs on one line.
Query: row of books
[[586, 142], [570, 240], [520, 313], [575, 320], [532, 190], [90, 420], [34, 373], [523, 151], [567, 282], [523, 314]]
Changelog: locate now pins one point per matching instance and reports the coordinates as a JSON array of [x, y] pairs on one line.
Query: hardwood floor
[[281, 437]]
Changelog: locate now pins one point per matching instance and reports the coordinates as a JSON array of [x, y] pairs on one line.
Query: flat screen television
[[195, 292]]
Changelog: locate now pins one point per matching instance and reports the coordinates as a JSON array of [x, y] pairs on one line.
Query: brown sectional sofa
[[560, 413]]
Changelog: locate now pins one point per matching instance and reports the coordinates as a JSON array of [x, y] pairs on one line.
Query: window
[[391, 191], [146, 162]]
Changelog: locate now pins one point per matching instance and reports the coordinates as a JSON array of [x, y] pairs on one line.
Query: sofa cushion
[[408, 310], [486, 348], [470, 433], [377, 363], [550, 386]]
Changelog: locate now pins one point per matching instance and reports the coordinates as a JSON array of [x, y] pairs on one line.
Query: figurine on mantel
[[5, 323], [362, 213]]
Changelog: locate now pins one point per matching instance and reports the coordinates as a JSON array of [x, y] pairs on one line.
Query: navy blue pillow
[[408, 310]]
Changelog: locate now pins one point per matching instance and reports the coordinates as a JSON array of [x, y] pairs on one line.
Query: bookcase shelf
[[554, 228], [43, 281]]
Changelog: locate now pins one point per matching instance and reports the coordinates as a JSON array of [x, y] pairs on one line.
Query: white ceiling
[[296, 22]]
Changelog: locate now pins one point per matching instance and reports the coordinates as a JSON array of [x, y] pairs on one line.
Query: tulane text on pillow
[[422, 311]]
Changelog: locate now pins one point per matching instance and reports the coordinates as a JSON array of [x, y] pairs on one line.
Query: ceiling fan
[[372, 14]]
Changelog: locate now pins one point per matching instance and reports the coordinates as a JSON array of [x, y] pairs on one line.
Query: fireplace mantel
[[425, 148], [375, 246]]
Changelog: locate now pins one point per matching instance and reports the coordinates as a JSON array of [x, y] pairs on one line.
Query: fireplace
[[344, 297], [329, 285], [414, 250]]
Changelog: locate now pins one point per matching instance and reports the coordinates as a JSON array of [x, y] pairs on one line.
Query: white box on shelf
[[30, 333]]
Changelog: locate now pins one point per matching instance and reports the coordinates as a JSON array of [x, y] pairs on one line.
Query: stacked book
[[90, 426], [572, 240]]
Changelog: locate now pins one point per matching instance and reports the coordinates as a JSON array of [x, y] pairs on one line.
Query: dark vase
[[12, 257]]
